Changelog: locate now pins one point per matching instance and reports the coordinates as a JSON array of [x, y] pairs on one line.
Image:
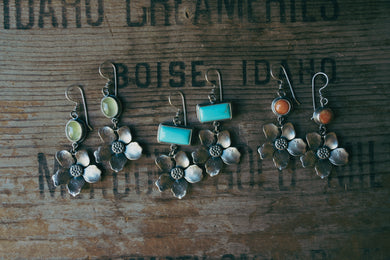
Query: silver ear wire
[[212, 97], [108, 79], [175, 120], [323, 101], [281, 83], [74, 112]]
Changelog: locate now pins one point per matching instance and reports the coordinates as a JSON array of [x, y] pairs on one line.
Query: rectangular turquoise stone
[[174, 134], [214, 112]]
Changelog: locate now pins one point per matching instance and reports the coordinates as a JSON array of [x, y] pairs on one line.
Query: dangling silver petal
[[107, 134], [206, 137], [164, 182], [339, 156], [271, 132], [281, 159], [65, 158], [288, 131], [224, 139], [309, 159], [181, 159], [193, 174], [61, 177], [124, 134], [231, 155], [102, 154], [266, 150], [165, 163], [133, 151], [323, 168], [331, 141], [92, 174], [82, 158], [200, 155], [179, 188], [314, 140], [118, 161], [296, 147], [75, 184], [213, 166]]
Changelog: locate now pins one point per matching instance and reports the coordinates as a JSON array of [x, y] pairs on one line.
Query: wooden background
[[251, 211]]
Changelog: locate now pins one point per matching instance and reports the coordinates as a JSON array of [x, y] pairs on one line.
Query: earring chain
[[172, 150]]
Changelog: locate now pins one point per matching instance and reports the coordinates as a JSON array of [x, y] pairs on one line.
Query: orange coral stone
[[325, 116], [282, 106]]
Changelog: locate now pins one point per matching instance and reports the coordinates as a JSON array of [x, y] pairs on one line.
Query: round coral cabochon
[[281, 106], [323, 116]]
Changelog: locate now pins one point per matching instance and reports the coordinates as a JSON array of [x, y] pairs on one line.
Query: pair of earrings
[[177, 170], [76, 167], [282, 143]]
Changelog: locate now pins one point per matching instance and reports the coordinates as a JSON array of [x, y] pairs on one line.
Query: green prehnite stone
[[74, 131], [110, 107]]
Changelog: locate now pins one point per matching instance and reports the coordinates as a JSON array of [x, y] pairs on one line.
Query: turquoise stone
[[74, 130], [110, 107], [214, 112], [174, 134]]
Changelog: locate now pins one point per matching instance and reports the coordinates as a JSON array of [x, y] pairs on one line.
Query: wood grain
[[250, 211]]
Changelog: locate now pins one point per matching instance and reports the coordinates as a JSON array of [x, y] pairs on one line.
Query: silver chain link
[[115, 122], [217, 126], [172, 150], [281, 120], [281, 93], [74, 114], [176, 119], [322, 130], [212, 96], [106, 88], [74, 147]]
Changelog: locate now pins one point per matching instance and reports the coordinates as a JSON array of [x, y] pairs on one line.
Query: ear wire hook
[[323, 101], [183, 105], [281, 82], [220, 84], [74, 112], [107, 78]]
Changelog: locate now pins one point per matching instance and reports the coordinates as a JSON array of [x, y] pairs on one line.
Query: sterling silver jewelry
[[216, 147], [177, 171], [119, 146], [281, 139], [75, 168], [324, 151]]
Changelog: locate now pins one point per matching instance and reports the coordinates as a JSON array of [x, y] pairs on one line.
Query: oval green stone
[[74, 131], [110, 107]]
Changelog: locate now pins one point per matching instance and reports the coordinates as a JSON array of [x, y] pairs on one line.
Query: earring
[[118, 146], [324, 151], [281, 141], [75, 164], [176, 168], [215, 149]]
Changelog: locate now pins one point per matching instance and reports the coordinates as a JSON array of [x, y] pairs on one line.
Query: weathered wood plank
[[249, 211]]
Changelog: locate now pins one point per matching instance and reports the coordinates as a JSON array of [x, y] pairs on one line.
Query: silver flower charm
[[323, 154], [75, 171], [177, 173], [281, 142], [215, 151], [118, 147]]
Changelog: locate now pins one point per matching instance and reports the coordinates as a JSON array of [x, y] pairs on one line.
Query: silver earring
[[75, 164], [281, 138], [118, 142], [216, 145], [176, 168], [324, 151]]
